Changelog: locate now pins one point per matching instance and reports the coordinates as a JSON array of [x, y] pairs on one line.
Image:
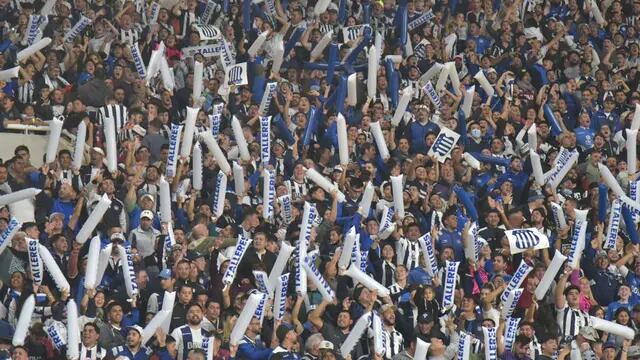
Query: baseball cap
[[146, 214], [325, 345], [118, 237], [609, 345], [137, 328], [634, 351], [53, 215], [588, 333], [535, 195], [148, 196], [165, 274], [193, 255], [98, 150], [425, 318]]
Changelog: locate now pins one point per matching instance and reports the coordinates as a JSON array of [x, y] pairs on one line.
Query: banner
[[208, 32], [237, 75], [522, 239], [443, 144]]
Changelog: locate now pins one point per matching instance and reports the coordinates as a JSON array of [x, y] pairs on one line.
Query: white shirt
[[196, 342]]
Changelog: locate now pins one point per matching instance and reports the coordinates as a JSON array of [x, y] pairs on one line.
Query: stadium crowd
[[347, 179]]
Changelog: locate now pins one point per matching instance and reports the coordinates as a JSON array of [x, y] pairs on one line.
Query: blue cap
[[165, 274]]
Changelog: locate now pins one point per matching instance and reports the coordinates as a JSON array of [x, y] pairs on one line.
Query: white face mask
[[475, 133]]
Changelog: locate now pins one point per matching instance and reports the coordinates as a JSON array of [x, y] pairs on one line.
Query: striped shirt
[[393, 342], [408, 253], [25, 92], [130, 36], [188, 339], [297, 190], [92, 353], [570, 321], [118, 113]]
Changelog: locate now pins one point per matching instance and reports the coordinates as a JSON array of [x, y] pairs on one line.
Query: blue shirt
[[451, 239], [252, 349], [142, 354], [584, 137], [518, 179], [417, 133], [65, 207]]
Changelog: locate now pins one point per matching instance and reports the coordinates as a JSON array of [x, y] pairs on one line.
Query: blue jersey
[[142, 354]]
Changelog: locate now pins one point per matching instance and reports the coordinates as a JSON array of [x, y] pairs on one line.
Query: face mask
[[475, 133]]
